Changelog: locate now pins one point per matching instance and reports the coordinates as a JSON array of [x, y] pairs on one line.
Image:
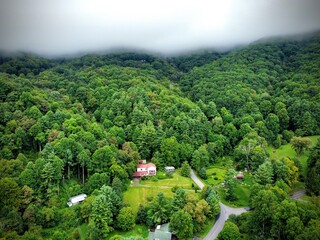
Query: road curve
[[225, 212], [221, 219]]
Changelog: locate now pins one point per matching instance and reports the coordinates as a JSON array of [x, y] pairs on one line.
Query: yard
[[242, 192], [147, 189], [215, 175], [175, 180], [288, 151]]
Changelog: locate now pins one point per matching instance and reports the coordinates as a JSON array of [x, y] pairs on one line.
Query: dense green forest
[[79, 125]]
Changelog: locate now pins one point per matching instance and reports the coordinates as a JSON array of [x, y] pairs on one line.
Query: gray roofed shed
[[161, 233]]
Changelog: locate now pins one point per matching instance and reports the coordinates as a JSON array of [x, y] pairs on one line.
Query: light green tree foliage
[[146, 140], [264, 173], [125, 219], [230, 184], [212, 198], [185, 169], [282, 113], [286, 170], [201, 212], [313, 171], [230, 231], [10, 193], [285, 211], [181, 223], [160, 209], [170, 151], [293, 228], [112, 199], [100, 218], [265, 205], [299, 144], [200, 158], [179, 199]]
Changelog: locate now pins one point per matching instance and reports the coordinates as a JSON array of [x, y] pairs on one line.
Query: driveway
[[196, 179]]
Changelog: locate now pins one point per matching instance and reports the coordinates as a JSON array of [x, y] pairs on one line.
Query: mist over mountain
[[56, 28]]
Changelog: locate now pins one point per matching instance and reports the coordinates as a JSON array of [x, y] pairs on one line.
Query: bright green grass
[[288, 151], [149, 189], [137, 231], [136, 195], [215, 172], [176, 180], [242, 192]]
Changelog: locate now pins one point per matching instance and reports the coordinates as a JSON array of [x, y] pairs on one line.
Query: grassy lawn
[[242, 192], [176, 180], [215, 176], [148, 189], [288, 151], [137, 231], [136, 195]]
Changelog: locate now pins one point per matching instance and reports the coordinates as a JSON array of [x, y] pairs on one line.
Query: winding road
[[222, 217], [226, 211]]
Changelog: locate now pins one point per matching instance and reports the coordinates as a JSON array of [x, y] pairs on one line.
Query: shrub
[[174, 189], [203, 173]]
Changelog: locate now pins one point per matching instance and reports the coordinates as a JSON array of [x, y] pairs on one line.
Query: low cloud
[[55, 27]]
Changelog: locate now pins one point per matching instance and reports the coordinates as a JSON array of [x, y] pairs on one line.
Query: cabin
[[76, 199], [169, 169], [161, 233], [240, 175], [145, 169]]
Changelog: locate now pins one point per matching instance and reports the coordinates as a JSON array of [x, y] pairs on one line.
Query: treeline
[[74, 125]]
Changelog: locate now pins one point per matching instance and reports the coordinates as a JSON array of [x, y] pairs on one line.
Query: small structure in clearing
[[169, 169], [161, 233], [76, 199], [240, 175]]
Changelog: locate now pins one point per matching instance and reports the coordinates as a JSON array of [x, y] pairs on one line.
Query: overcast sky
[[54, 27]]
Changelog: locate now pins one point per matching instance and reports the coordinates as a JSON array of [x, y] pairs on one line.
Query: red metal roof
[[146, 165]]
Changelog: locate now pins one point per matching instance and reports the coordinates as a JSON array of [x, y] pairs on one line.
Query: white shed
[[169, 169], [76, 199]]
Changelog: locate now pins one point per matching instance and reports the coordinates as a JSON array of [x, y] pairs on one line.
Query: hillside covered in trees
[[77, 125]]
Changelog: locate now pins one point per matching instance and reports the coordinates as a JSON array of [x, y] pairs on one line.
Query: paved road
[[227, 211], [223, 216]]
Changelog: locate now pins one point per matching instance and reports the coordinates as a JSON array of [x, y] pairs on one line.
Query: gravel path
[[298, 195]]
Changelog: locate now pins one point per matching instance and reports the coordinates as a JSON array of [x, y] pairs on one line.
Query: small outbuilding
[[240, 175], [76, 199], [161, 233], [169, 169]]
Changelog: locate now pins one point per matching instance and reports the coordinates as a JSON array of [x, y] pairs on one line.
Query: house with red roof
[[145, 169]]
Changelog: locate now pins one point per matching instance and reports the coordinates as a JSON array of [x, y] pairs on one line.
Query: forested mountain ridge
[[73, 125], [280, 71]]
